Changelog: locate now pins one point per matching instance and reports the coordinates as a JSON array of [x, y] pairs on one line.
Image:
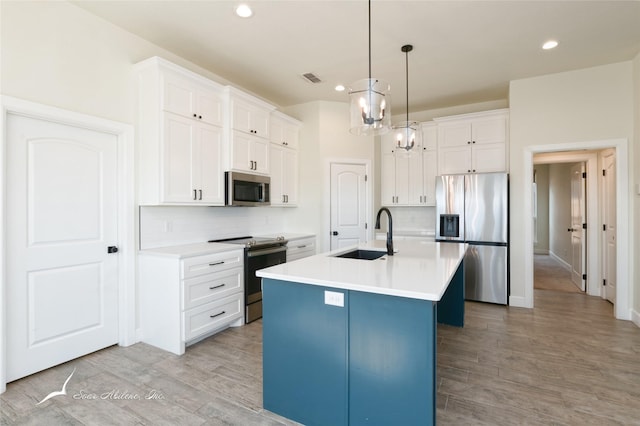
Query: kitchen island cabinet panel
[[391, 350], [310, 339]]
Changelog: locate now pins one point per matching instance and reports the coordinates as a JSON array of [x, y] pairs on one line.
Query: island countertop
[[418, 269]]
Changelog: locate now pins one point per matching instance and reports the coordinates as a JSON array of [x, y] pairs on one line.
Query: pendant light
[[370, 104], [408, 136]]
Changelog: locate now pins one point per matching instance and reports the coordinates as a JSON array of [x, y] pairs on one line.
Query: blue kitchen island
[[353, 342]]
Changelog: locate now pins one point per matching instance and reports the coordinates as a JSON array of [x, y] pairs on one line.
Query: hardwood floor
[[566, 362], [549, 274]]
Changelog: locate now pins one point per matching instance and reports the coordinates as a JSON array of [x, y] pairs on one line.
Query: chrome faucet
[[389, 231]]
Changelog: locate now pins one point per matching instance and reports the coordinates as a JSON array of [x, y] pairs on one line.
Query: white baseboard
[[635, 317], [541, 251], [560, 261]]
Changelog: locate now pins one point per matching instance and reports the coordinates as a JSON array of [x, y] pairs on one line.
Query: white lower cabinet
[[300, 248], [184, 299]]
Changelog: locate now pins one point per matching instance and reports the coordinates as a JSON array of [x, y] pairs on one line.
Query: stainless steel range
[[259, 253]]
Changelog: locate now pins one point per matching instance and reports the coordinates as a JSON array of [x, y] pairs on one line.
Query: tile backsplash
[[168, 226]]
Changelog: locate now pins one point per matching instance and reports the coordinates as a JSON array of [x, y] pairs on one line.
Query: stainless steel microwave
[[245, 189]]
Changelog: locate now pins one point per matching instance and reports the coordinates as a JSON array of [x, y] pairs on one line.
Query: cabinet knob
[[200, 117], [468, 170], [473, 141], [194, 115], [474, 170], [468, 142]]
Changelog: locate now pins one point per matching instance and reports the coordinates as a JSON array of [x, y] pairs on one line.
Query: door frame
[[126, 216], [623, 306], [326, 226]]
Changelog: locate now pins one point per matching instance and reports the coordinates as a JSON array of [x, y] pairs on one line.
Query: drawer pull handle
[[216, 286], [301, 246], [216, 315], [216, 263]]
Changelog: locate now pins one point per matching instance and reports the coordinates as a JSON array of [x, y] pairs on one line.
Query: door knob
[[112, 249], [334, 233]]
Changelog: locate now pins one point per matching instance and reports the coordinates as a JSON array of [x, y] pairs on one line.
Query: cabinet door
[[240, 151], [277, 175], [415, 190], [210, 107], [177, 178], [402, 180], [259, 153], [207, 163], [454, 134], [290, 176], [430, 136], [177, 95], [260, 122], [388, 177], [291, 134], [489, 158], [429, 173], [489, 130], [454, 160], [250, 119]]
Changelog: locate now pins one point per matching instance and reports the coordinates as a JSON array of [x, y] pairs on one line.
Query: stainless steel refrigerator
[[474, 208]]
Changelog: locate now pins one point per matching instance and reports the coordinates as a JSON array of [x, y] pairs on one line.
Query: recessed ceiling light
[[339, 88], [550, 45], [244, 11]]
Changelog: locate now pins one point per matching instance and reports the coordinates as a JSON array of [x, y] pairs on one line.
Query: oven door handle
[[254, 253]]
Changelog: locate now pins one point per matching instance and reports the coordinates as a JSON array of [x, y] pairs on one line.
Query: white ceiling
[[464, 51]]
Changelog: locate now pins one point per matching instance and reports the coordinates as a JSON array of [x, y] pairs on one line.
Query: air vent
[[311, 78]]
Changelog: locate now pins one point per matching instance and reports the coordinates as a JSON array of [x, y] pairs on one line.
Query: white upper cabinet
[[284, 176], [284, 159], [284, 130], [249, 119], [184, 96], [180, 136], [404, 175], [248, 114], [473, 143]]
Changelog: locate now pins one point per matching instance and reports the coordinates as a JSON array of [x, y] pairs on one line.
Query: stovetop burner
[[250, 241]]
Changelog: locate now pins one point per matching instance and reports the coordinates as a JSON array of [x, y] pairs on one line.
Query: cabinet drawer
[[212, 316], [301, 248], [208, 288], [200, 265]]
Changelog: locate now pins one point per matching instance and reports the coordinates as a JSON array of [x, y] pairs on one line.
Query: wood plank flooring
[[566, 362], [549, 274]]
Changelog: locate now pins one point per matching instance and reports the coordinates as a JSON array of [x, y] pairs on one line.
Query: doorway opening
[[560, 221], [592, 153]]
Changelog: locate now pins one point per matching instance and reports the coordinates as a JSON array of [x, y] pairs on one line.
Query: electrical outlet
[[334, 298]]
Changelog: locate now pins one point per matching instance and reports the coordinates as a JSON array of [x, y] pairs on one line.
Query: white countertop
[[190, 250], [419, 269]]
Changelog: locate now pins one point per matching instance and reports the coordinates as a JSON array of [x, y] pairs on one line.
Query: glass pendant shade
[[407, 137], [370, 107]]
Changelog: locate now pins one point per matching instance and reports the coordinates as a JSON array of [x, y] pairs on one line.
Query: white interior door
[[610, 228], [348, 204], [578, 249], [62, 292]]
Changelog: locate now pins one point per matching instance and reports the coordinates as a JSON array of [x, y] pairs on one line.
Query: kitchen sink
[[362, 254]]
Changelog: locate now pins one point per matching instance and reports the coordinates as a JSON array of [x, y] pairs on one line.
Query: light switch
[[334, 298]]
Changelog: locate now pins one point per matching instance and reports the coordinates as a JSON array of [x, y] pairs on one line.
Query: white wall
[[585, 105], [560, 210], [58, 54]]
